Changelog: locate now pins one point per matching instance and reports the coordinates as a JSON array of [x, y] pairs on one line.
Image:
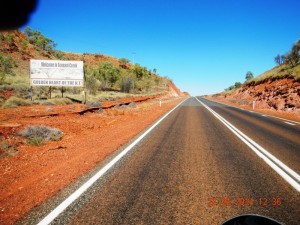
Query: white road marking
[[76, 194], [284, 171], [264, 115], [290, 123], [276, 117]]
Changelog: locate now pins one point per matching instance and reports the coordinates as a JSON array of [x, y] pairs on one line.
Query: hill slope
[[276, 91], [102, 73]]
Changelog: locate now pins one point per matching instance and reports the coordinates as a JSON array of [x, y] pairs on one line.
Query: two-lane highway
[[279, 137], [192, 169]]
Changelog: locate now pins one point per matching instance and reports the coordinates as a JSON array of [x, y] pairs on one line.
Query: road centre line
[[76, 194], [284, 171]]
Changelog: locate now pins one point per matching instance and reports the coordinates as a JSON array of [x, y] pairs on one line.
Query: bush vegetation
[[55, 101], [39, 134], [37, 39], [134, 79], [292, 57], [6, 64], [2, 77], [7, 149], [14, 102], [107, 76], [283, 70], [288, 65]]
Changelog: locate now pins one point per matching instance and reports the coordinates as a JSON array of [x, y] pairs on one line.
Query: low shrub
[[7, 149], [61, 101], [94, 104], [18, 79], [57, 101], [14, 102], [36, 141], [6, 87], [21, 88], [38, 134]]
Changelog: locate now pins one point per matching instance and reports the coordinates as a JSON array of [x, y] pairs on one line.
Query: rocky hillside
[[174, 91], [16, 44], [277, 89], [280, 94]]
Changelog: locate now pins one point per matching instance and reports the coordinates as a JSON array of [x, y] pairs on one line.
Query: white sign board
[[56, 73]]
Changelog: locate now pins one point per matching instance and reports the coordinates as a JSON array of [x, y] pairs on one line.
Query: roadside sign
[[56, 73]]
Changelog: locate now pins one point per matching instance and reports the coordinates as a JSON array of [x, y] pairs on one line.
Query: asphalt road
[[192, 169]]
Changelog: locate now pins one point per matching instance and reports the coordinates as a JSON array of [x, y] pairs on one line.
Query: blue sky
[[204, 46]]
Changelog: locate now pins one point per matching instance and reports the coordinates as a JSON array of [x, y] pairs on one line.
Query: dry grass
[[55, 101], [281, 71], [13, 102], [229, 91]]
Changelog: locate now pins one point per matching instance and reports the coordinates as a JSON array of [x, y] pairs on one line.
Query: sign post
[[31, 94]]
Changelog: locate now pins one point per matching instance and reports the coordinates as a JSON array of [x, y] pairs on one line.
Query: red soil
[[7, 94], [38, 172], [279, 97]]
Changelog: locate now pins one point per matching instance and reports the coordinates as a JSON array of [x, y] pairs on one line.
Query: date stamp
[[243, 202]]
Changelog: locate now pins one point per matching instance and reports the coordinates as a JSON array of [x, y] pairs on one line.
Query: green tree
[[230, 88], [91, 83], [139, 71], [249, 76], [124, 63], [279, 59], [38, 39], [107, 73], [45, 43], [295, 53], [237, 85], [59, 54], [293, 56], [24, 44], [127, 83]]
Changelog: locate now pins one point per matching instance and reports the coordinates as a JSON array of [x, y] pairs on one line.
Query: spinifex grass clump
[[38, 134], [14, 102]]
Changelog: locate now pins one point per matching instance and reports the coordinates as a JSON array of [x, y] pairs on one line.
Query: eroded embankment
[[280, 97]]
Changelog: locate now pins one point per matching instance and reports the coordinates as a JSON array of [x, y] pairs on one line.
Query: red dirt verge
[[32, 174]]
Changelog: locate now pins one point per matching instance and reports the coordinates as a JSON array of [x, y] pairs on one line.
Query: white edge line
[[290, 123], [261, 152], [254, 111], [76, 194]]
